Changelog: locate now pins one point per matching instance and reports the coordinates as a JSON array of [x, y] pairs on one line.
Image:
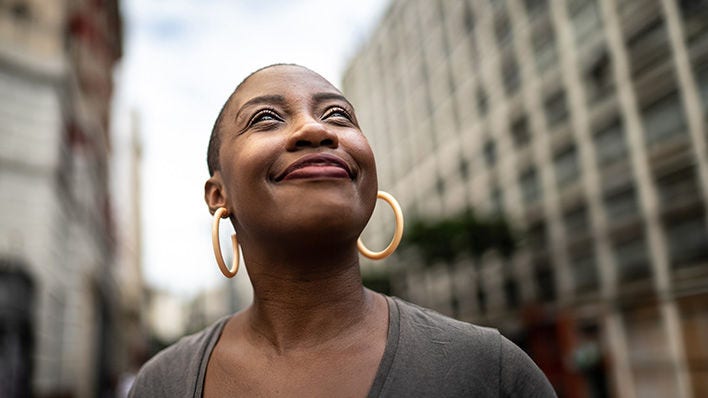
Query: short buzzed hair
[[215, 138]]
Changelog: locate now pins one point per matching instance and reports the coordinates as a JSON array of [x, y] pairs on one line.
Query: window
[[464, 167], [566, 166], [482, 102], [598, 78], [502, 27], [537, 237], [585, 16], [621, 205], [510, 72], [688, 240], [544, 46], [468, 16], [663, 118], [490, 153], [610, 144], [530, 189], [555, 108], [520, 131], [511, 293], [694, 14], [632, 258], [535, 7], [584, 267], [678, 188], [576, 221], [497, 200], [545, 283], [701, 71], [648, 47], [440, 186]]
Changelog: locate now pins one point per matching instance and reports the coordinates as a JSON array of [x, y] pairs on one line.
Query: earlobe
[[214, 194]]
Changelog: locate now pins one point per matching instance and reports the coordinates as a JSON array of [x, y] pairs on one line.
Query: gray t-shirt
[[427, 355]]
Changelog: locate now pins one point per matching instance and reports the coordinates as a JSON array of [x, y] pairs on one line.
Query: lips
[[318, 165]]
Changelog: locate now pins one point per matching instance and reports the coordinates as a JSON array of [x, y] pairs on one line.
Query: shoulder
[[429, 323], [174, 371], [471, 358], [520, 375]]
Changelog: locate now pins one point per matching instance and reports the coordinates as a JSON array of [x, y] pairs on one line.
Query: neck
[[308, 300]]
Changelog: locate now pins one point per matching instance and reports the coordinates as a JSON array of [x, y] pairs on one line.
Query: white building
[[583, 122], [56, 227]]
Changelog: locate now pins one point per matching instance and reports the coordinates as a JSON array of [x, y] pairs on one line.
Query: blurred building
[[60, 305], [583, 123]]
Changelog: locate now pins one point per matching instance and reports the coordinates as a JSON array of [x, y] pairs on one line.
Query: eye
[[264, 115], [337, 112]]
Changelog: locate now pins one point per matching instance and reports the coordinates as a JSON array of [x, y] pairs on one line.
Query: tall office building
[[58, 295], [582, 123]]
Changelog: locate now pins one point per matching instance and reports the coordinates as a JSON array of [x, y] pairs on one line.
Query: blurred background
[[549, 155]]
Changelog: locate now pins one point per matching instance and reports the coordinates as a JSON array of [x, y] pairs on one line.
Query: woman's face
[[293, 161]]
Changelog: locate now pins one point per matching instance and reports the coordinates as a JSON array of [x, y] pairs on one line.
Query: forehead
[[285, 80]]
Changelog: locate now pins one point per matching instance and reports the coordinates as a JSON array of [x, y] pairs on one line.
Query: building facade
[[59, 297], [582, 123]]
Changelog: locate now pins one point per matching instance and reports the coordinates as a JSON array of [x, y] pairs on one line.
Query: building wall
[[56, 60], [583, 123]]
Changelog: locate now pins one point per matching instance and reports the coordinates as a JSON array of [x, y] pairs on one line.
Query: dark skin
[[312, 329]]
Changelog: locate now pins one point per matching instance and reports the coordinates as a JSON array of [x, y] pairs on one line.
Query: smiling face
[[293, 162]]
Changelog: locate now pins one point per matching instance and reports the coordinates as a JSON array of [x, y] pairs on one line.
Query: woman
[[296, 176]]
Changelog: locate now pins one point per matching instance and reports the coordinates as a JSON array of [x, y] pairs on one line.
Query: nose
[[312, 134]]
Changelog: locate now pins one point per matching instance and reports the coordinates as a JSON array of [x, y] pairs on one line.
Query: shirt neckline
[[392, 339]]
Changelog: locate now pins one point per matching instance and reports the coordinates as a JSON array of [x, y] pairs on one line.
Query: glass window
[[648, 47], [440, 185], [510, 72], [544, 46], [678, 188], [622, 204], [566, 166], [497, 200], [586, 18], [536, 7], [556, 108], [537, 237], [545, 282], [576, 221], [520, 131], [610, 144], [530, 189], [584, 268], [468, 16], [482, 102], [632, 258], [502, 27], [663, 118], [695, 20], [464, 167], [701, 71], [597, 77], [490, 153], [688, 240]]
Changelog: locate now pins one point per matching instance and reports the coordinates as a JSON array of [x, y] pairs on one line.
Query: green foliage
[[463, 234]]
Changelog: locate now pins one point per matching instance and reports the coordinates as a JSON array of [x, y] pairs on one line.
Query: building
[[583, 123], [60, 298]]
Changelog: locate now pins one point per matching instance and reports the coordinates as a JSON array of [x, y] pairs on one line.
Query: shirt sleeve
[[520, 377]]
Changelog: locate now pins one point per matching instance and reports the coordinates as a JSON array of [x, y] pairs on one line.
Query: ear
[[214, 193]]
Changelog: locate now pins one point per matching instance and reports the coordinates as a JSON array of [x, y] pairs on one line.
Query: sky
[[182, 59]]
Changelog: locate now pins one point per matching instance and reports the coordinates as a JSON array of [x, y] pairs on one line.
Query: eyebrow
[[263, 99], [321, 97]]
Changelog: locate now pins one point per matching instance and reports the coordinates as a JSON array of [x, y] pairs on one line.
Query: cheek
[[246, 168]]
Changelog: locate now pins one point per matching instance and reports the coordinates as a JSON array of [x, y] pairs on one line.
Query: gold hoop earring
[[220, 213], [397, 234]]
